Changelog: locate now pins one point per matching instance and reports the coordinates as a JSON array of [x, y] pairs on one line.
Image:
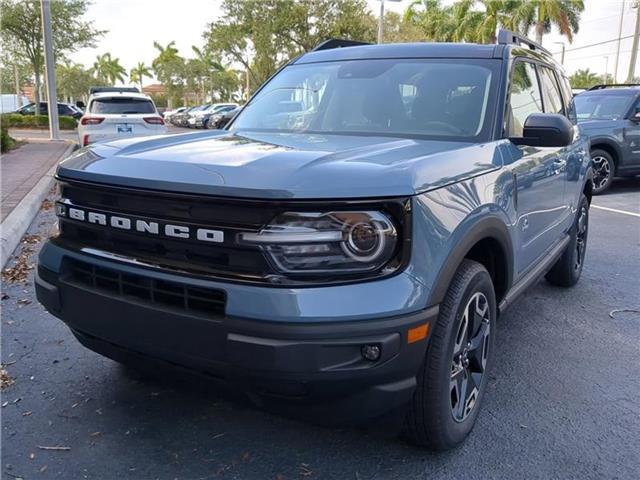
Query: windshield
[[397, 97], [122, 105], [602, 107]]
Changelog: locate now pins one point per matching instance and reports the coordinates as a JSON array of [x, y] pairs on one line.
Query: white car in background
[[114, 112]]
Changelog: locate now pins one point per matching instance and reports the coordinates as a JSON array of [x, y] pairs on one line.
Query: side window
[[524, 97], [567, 94], [550, 91]]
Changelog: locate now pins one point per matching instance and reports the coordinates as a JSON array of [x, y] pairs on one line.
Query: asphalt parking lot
[[563, 399]]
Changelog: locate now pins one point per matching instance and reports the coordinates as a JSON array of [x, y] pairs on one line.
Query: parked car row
[[210, 115]]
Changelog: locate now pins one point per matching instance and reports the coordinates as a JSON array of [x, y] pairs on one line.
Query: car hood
[[281, 165], [598, 124]]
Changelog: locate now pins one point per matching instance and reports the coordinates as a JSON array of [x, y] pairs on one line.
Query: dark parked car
[[345, 246], [610, 116], [66, 109], [220, 119]]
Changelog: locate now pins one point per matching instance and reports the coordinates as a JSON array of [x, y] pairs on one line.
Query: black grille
[[168, 295], [228, 260]]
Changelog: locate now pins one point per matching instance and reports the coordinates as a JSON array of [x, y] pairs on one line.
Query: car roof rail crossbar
[[602, 86], [93, 90], [337, 43], [507, 37]]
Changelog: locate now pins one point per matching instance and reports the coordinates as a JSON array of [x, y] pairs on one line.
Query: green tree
[[73, 81], [108, 70], [12, 64], [584, 79], [137, 73], [21, 31], [261, 35], [169, 68]]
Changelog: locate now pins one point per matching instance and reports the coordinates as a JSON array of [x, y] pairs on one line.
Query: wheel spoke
[[478, 349]]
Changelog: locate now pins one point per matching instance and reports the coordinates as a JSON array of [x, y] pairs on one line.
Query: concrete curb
[[17, 222]]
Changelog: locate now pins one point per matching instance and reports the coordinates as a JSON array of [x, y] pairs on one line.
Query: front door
[[539, 173], [631, 135]]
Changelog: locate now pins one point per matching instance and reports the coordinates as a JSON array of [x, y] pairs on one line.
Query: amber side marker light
[[418, 333]]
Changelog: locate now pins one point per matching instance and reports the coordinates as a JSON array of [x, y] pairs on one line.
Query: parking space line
[[615, 210]]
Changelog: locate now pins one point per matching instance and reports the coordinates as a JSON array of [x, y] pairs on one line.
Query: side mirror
[[80, 104], [546, 130], [635, 117]]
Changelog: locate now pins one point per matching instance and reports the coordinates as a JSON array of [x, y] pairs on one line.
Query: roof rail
[[507, 37], [602, 86], [337, 43], [93, 90]]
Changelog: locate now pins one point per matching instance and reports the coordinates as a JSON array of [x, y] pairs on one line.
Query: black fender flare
[[609, 142], [488, 227]]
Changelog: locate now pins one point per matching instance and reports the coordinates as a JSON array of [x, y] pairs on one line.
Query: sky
[[133, 25]]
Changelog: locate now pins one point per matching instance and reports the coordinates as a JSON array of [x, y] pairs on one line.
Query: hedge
[[6, 142], [16, 120]]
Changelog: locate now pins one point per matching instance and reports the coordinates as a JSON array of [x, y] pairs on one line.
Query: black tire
[[566, 271], [604, 169], [435, 420]]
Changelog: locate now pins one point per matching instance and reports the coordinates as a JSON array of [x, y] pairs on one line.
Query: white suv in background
[[114, 112]]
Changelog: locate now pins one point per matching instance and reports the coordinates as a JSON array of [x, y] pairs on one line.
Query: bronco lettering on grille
[[147, 226]]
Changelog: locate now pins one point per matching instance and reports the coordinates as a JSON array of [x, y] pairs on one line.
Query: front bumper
[[316, 366]]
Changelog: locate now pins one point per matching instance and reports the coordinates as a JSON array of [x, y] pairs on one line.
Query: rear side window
[[121, 105], [550, 91], [524, 98], [569, 104]]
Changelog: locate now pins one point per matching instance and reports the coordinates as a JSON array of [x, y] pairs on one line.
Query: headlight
[[342, 242]]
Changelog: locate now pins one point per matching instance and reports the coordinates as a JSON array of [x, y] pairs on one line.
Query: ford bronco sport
[[347, 243], [610, 116]]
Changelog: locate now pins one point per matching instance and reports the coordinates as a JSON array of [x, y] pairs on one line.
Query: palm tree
[[108, 69], [584, 79], [169, 68], [564, 14], [138, 72], [208, 65]]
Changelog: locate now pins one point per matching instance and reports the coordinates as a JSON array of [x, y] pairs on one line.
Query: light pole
[[606, 69], [634, 48], [615, 68], [381, 20], [49, 65], [562, 54]]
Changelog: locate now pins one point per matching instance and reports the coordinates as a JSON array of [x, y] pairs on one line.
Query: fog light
[[370, 352]]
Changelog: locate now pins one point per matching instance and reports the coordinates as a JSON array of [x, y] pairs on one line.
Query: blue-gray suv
[[344, 247], [610, 116]]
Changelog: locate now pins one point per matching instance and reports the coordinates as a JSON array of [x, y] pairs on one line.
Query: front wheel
[[454, 375], [603, 170]]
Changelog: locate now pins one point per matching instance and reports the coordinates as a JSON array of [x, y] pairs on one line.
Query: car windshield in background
[[397, 97], [602, 107], [120, 105]]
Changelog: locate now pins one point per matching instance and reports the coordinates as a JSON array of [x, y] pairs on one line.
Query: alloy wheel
[[470, 353], [601, 172], [581, 234]]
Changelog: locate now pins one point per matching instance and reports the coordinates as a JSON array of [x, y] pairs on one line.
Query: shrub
[[16, 120], [6, 142]]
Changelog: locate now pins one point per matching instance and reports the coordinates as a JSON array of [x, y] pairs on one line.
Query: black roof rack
[[93, 90], [507, 37], [602, 86], [337, 43]]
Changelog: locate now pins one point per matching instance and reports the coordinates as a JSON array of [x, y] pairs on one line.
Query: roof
[[613, 91], [403, 50], [120, 94]]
